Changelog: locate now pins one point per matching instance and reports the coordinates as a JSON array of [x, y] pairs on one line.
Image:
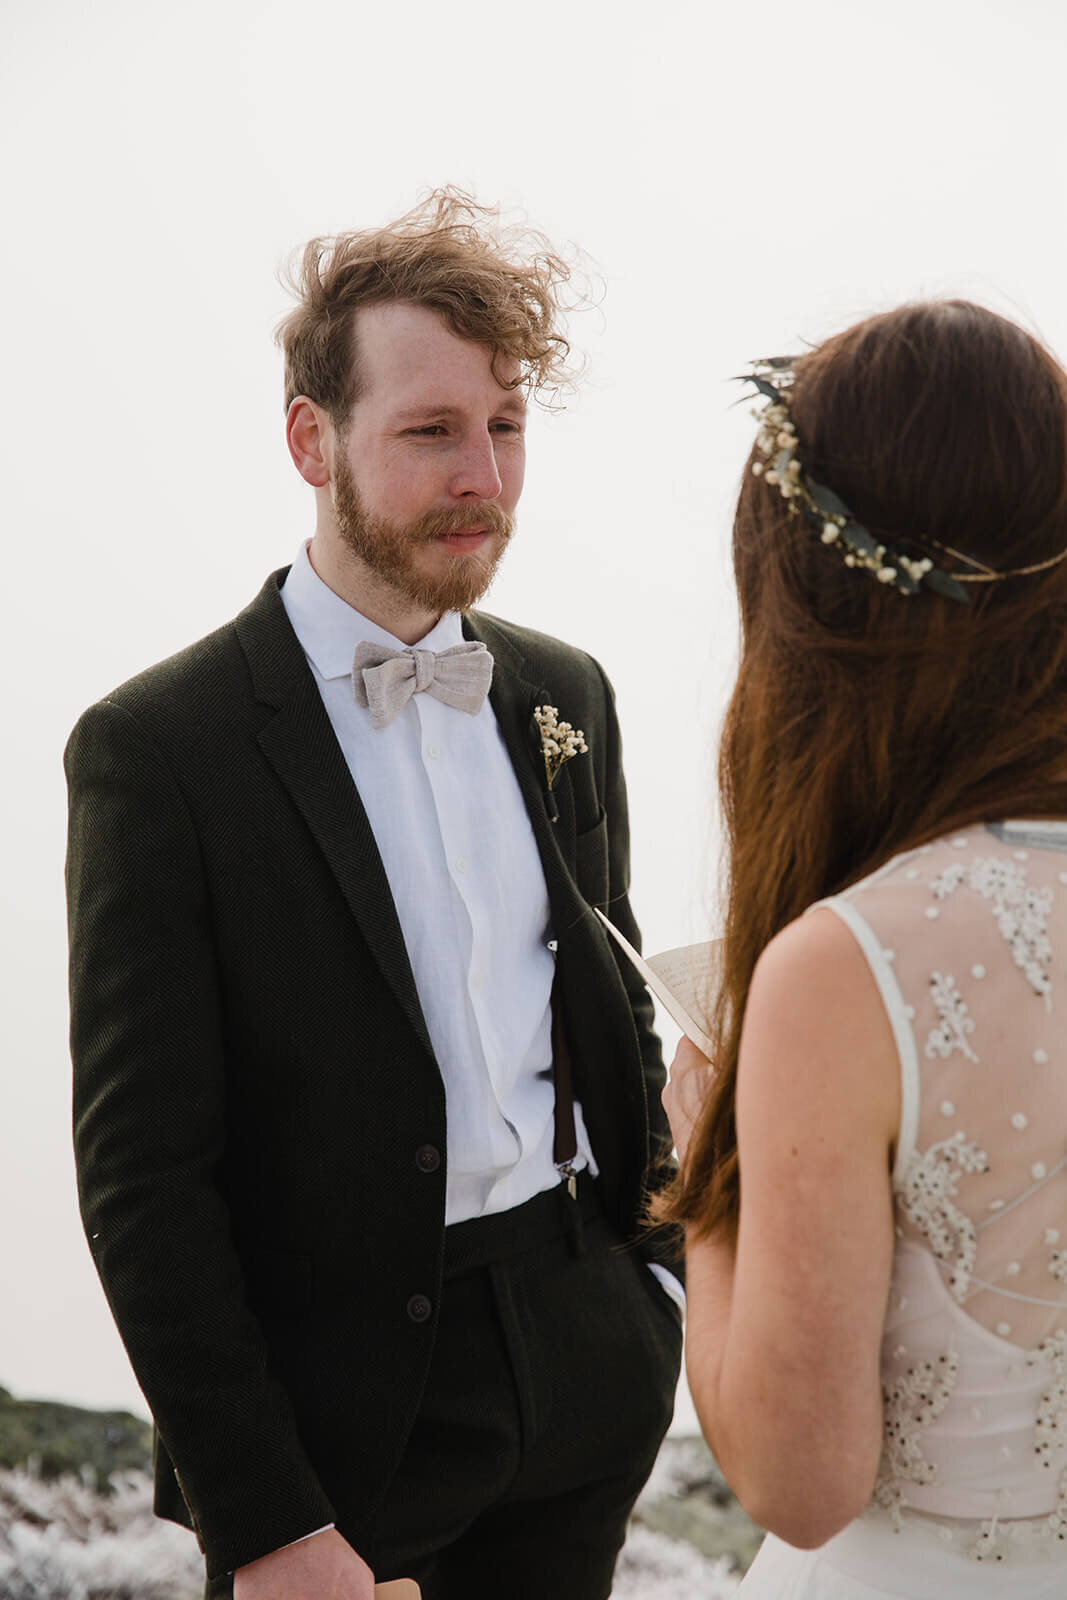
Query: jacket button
[[427, 1158], [419, 1308]]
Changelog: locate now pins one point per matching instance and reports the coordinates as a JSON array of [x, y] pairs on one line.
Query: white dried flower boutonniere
[[559, 742]]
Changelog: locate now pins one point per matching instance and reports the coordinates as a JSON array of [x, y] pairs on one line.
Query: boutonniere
[[559, 742]]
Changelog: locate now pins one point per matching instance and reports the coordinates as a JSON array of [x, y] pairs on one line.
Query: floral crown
[[777, 443]]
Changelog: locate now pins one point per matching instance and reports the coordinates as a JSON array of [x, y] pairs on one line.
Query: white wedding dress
[[964, 939]]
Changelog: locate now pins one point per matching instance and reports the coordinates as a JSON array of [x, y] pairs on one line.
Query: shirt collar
[[329, 629]]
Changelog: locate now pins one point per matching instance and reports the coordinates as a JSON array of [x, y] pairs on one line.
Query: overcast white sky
[[742, 176]]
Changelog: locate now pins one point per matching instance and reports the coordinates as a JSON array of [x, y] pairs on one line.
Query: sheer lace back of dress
[[986, 1186], [963, 937]]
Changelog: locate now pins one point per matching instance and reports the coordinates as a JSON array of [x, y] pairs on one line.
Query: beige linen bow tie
[[385, 679]]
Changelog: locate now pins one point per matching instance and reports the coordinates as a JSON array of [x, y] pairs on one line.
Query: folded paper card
[[398, 1589], [682, 980]]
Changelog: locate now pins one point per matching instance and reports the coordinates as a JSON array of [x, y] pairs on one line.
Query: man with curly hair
[[365, 1108]]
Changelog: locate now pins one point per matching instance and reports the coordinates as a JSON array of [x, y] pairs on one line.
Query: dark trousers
[[551, 1387]]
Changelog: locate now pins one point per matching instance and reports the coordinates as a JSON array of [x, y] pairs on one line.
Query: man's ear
[[309, 433]]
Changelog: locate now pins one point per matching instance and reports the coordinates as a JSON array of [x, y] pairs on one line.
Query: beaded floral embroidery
[[1050, 1434], [927, 1196], [956, 1022], [1050, 1431], [911, 1404], [948, 882], [928, 1452], [917, 1399], [1021, 912]]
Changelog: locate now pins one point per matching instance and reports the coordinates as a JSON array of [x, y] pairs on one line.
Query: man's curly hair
[[494, 284]]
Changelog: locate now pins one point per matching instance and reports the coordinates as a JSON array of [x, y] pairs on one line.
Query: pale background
[[741, 176]]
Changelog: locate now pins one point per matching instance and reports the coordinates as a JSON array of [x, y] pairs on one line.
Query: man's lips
[[465, 540]]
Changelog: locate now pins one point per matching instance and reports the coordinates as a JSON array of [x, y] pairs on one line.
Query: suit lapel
[[302, 749], [513, 697], [300, 745]]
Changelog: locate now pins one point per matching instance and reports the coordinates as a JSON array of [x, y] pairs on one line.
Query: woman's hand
[[683, 1096]]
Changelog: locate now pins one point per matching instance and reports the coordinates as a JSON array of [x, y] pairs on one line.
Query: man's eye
[[506, 427], [431, 431]]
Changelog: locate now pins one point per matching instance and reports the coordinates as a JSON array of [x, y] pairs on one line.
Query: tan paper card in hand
[[682, 980], [398, 1589]]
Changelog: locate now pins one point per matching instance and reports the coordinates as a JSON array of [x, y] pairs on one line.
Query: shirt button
[[420, 1308], [427, 1158], [433, 751], [478, 981], [461, 863]]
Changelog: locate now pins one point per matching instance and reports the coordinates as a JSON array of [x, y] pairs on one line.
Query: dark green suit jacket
[[254, 1086]]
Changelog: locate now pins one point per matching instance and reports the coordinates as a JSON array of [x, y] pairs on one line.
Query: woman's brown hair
[[863, 720]]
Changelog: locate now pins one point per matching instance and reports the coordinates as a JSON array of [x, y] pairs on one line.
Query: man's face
[[430, 468]]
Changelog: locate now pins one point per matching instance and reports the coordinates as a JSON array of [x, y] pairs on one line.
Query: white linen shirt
[[455, 839]]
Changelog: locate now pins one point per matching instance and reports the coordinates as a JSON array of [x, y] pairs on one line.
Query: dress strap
[[903, 1036]]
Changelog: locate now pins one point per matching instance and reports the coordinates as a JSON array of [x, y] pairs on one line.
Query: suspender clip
[[569, 1175]]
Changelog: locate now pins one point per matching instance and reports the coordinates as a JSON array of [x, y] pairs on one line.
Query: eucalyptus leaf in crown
[[783, 468]]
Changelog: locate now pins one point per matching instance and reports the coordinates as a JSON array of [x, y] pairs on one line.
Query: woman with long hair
[[873, 1171]]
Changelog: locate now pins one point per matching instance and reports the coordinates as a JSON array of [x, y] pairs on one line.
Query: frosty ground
[[63, 1540]]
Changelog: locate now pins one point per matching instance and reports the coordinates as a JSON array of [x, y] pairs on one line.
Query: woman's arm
[[783, 1340]]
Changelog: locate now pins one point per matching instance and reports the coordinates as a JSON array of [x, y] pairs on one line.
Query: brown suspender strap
[[565, 1147]]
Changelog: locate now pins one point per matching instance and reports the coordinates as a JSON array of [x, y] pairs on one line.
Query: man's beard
[[388, 549]]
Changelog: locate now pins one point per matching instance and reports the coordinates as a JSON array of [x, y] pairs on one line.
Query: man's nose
[[476, 472]]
